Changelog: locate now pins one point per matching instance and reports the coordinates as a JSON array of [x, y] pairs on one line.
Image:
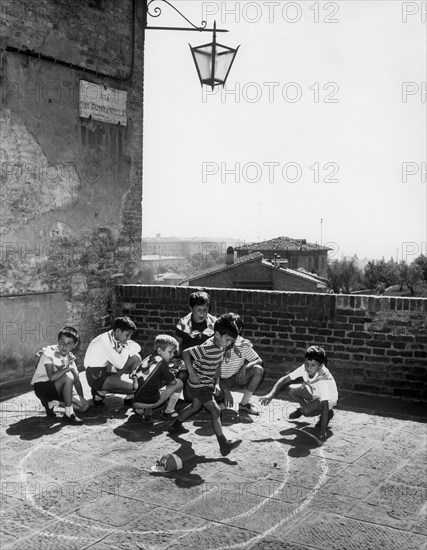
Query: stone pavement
[[91, 486]]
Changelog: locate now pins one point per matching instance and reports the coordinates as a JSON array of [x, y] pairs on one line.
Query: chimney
[[229, 258]]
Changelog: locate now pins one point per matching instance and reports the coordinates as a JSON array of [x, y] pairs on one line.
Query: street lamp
[[213, 61]]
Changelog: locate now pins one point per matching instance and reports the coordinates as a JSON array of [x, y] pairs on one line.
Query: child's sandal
[[97, 402]]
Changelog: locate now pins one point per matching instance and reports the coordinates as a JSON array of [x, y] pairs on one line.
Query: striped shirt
[[237, 356], [207, 357]]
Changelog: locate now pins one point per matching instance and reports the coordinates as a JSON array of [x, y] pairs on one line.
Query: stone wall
[[71, 186], [375, 344]]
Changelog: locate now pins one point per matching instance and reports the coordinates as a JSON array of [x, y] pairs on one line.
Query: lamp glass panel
[[203, 58], [223, 62]]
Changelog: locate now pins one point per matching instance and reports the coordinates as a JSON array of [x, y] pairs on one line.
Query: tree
[[421, 261], [344, 275], [410, 275], [381, 274]]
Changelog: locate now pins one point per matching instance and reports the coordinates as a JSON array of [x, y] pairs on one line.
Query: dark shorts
[[145, 397], [96, 376], [202, 394], [46, 391]]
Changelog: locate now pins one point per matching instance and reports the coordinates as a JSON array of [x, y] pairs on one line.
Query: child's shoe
[[177, 428], [49, 410], [168, 416], [330, 417], [72, 419], [295, 414], [97, 402], [249, 409], [127, 402], [229, 446]]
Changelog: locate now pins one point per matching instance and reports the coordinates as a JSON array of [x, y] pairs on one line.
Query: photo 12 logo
[[414, 11], [272, 92], [228, 12], [270, 172], [417, 90], [414, 169]]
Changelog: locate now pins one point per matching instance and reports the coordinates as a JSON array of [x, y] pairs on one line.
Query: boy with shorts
[[317, 394], [240, 369], [152, 375], [192, 330], [108, 357], [56, 377], [203, 364]]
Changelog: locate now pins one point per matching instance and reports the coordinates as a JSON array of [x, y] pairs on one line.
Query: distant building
[[156, 261], [174, 246], [251, 271], [296, 253], [173, 279]]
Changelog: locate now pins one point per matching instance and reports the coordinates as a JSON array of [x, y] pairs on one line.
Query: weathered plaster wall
[[71, 187]]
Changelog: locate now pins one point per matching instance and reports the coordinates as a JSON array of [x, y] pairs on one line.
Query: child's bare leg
[[300, 395], [174, 397], [169, 391], [176, 426], [225, 446], [64, 386], [80, 405], [189, 410], [215, 412]]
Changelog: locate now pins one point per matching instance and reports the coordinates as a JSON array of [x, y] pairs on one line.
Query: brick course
[[375, 344]]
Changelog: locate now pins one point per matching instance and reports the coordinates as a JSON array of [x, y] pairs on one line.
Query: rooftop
[[283, 243]]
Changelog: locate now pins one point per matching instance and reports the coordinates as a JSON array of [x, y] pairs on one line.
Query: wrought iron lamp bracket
[[156, 11]]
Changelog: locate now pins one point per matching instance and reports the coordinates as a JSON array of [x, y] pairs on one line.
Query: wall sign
[[102, 103]]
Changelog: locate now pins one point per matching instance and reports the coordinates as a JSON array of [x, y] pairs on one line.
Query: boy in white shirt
[[108, 357], [56, 378], [317, 394]]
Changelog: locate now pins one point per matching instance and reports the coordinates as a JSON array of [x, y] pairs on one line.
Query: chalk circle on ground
[[310, 435]]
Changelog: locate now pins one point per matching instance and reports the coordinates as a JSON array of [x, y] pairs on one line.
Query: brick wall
[[71, 186], [375, 344]]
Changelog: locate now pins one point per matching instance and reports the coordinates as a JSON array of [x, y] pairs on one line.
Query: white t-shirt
[[322, 386], [105, 350], [51, 355], [235, 357]]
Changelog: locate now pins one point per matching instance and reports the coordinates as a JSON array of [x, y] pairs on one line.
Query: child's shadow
[[184, 477], [300, 440], [34, 427], [135, 429], [228, 418]]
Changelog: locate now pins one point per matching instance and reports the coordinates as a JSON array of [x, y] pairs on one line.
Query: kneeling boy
[[152, 375], [317, 394]]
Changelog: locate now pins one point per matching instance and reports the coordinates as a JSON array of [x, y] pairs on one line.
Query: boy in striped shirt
[[203, 363]]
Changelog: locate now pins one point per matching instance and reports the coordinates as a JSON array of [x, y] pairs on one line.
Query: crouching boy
[[56, 377], [317, 394], [154, 380]]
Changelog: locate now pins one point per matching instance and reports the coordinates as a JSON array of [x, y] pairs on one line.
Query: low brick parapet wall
[[375, 344]]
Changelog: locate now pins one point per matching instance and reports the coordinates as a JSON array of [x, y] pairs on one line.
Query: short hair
[[226, 324], [199, 298], [316, 353], [239, 322], [124, 323], [162, 341], [69, 332]]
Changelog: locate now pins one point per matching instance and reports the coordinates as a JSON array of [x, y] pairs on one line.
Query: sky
[[319, 133]]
